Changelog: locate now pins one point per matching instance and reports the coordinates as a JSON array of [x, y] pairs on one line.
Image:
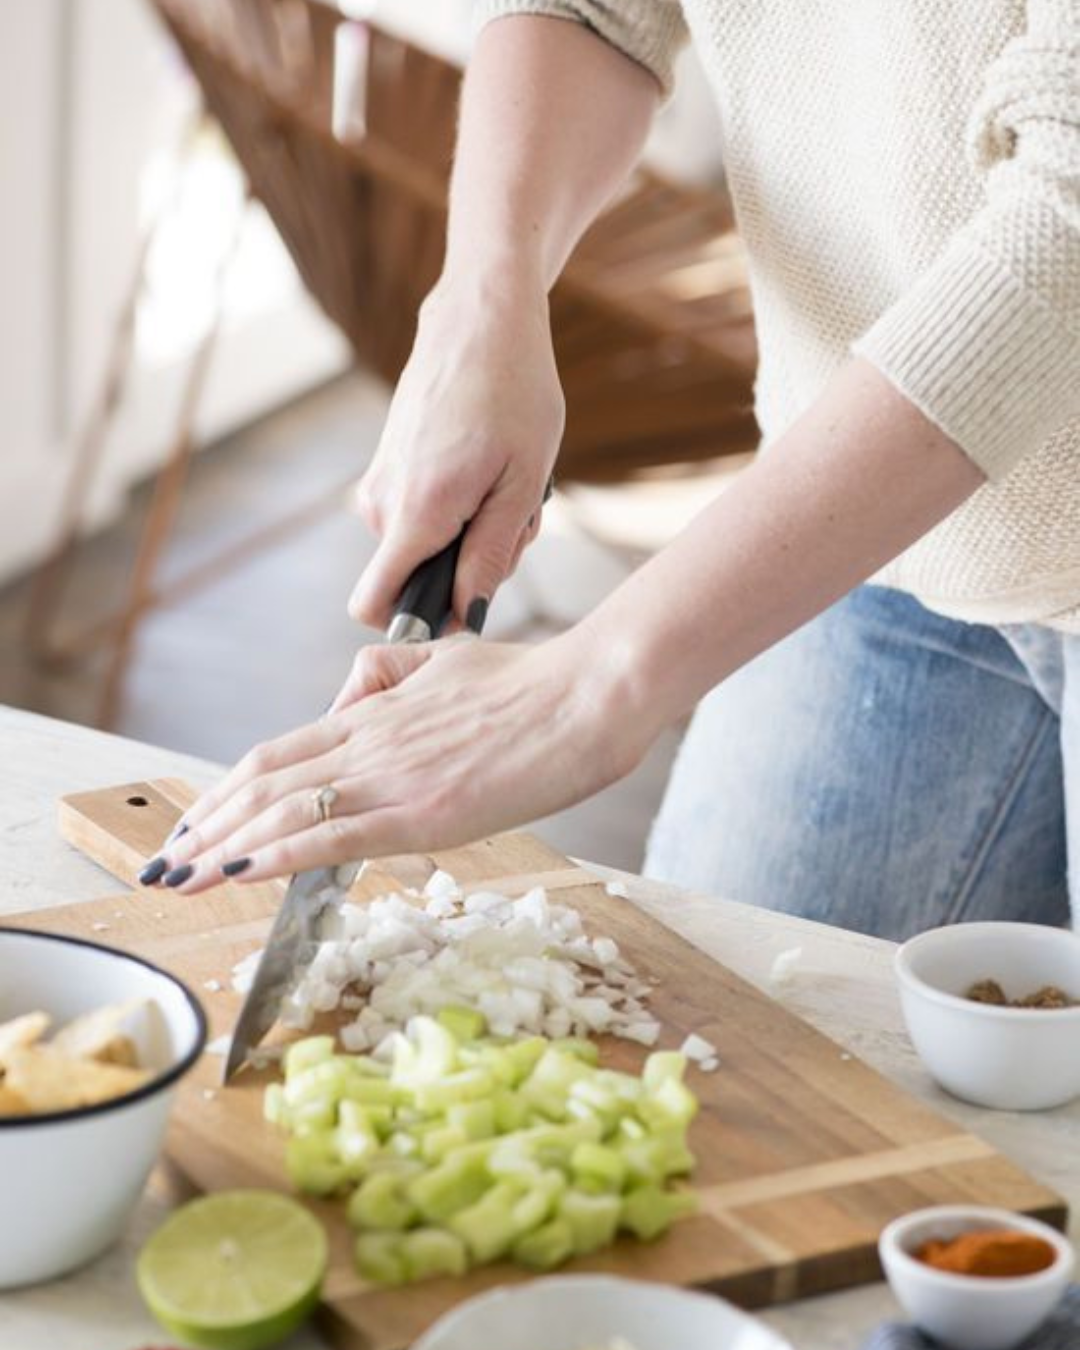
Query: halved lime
[[238, 1270]]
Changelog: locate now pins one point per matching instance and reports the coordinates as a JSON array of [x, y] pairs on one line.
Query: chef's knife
[[422, 610]]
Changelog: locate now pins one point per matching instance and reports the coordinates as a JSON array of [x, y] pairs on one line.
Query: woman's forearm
[[552, 120], [858, 478]]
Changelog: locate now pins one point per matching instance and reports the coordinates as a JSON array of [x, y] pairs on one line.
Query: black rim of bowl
[[153, 1085]]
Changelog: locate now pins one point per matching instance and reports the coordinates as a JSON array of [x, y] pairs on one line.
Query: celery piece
[[596, 1167], [536, 1205], [545, 1247], [593, 1219], [403, 1144], [510, 1112], [358, 1087], [672, 1103], [475, 1119], [307, 1053], [587, 1051], [525, 1054], [649, 1211], [549, 1104], [380, 1257], [380, 1202], [313, 1164], [464, 1024], [487, 1226], [433, 1251], [555, 1071], [454, 1185], [629, 1128], [663, 1066], [427, 1055], [624, 1086], [354, 1139], [437, 1143], [657, 1157], [467, 1085], [275, 1111], [601, 1101], [312, 1117], [326, 1081]]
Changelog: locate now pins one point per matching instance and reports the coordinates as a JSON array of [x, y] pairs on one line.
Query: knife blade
[[420, 614]]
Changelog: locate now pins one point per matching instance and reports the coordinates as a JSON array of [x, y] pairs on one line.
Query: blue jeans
[[886, 770]]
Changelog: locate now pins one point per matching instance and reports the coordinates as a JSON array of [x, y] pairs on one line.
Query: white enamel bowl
[[1014, 1059], [968, 1312], [578, 1312], [70, 1178]]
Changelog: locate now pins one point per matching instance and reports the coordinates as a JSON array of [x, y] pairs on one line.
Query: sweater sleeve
[[650, 32], [987, 341]]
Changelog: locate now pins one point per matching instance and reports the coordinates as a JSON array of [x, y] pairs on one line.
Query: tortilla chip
[[11, 1103], [50, 1081], [98, 1035], [22, 1031]]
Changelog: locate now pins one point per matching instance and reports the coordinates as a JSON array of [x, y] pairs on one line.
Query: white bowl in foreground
[[1014, 1059], [968, 1312], [580, 1312], [71, 1177]]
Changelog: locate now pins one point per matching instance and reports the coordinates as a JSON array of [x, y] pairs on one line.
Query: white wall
[[87, 94]]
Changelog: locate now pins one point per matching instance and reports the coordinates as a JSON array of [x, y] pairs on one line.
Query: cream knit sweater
[[906, 176]]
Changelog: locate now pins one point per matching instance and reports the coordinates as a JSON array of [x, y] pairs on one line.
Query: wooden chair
[[345, 134]]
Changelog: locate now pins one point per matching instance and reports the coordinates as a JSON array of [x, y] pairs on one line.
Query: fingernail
[[476, 615], [153, 871], [178, 875], [178, 830], [234, 868]]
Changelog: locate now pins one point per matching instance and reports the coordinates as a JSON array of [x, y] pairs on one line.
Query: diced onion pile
[[527, 965]]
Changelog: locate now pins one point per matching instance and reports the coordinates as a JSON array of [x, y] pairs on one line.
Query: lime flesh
[[234, 1271]]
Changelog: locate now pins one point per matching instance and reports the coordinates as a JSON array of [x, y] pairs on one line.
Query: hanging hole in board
[[137, 801]]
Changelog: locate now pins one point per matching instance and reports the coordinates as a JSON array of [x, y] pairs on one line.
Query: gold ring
[[322, 799]]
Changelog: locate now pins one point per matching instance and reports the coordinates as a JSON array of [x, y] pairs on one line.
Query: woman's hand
[[472, 435], [429, 747]]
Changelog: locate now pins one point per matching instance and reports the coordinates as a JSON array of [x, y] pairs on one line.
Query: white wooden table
[[843, 985]]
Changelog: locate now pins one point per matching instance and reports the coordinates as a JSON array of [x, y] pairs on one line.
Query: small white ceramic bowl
[[1014, 1059], [579, 1312], [969, 1312], [70, 1178]]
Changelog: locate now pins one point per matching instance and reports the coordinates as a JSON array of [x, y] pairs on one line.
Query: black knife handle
[[428, 595]]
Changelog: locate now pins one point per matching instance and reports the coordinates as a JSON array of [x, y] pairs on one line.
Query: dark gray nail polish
[[234, 868], [153, 871], [476, 615], [179, 875]]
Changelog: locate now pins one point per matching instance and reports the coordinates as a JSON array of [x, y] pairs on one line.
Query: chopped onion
[[784, 967], [697, 1048], [525, 963]]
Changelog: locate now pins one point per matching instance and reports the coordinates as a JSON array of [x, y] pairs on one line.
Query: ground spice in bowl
[[1049, 996], [994, 1252]]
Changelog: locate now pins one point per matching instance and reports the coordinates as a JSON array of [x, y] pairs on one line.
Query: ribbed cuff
[[650, 32], [983, 358]]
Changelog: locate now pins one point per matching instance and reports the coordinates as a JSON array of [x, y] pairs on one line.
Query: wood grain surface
[[804, 1152]]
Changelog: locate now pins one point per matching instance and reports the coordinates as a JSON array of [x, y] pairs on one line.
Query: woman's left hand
[[427, 747]]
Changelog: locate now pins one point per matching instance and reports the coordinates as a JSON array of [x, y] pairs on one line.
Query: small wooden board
[[804, 1152]]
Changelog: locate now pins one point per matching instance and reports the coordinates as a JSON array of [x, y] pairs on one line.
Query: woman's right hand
[[472, 434]]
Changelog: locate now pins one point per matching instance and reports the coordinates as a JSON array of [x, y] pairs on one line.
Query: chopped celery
[[597, 1167], [380, 1202], [380, 1257], [437, 1143], [593, 1219], [451, 1186], [433, 1251], [649, 1211], [672, 1103], [663, 1066], [426, 1055], [464, 1024], [475, 1119], [467, 1085], [545, 1247], [487, 1227], [358, 1087], [510, 1111], [354, 1139], [587, 1051], [274, 1109], [313, 1165], [305, 1054]]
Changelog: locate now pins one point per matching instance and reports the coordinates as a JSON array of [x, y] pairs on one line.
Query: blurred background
[[220, 218]]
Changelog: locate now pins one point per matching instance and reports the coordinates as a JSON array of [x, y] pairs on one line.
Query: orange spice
[[993, 1252]]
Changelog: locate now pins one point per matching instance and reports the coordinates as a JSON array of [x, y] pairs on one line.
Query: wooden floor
[[265, 648]]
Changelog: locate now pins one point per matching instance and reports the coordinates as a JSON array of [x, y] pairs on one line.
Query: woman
[[907, 181]]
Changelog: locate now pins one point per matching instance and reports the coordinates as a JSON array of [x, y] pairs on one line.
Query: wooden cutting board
[[804, 1153]]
